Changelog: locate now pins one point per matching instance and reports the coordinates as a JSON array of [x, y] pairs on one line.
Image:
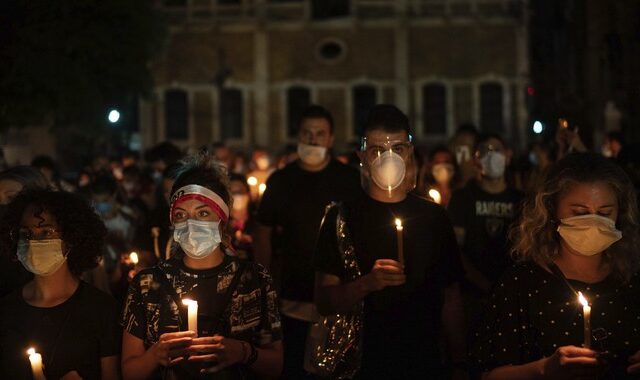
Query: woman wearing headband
[[238, 325]]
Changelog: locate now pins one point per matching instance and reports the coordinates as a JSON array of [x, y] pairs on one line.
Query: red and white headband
[[202, 194]]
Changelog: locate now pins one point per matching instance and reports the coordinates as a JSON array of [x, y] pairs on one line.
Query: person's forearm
[[453, 324], [474, 276], [529, 371], [139, 367], [333, 299], [269, 363]]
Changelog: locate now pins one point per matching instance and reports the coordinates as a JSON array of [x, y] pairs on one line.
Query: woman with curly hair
[[238, 327], [579, 233], [12, 182], [56, 236]]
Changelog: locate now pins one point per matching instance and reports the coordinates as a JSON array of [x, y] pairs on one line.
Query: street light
[[538, 127], [113, 116]]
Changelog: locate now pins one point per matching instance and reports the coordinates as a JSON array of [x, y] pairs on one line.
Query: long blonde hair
[[535, 237]]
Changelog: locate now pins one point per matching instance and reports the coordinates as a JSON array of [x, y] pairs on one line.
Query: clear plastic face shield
[[387, 163]]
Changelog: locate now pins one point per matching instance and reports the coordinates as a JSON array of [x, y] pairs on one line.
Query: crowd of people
[[389, 262]]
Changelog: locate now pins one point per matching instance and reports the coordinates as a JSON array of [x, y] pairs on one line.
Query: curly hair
[[81, 229], [535, 237]]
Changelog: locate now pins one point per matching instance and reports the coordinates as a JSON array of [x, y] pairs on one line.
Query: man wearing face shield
[[482, 213], [293, 204], [406, 304]]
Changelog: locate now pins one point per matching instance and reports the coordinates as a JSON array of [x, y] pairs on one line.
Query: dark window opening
[[364, 99], [231, 114], [298, 99], [491, 108], [434, 109], [176, 114]]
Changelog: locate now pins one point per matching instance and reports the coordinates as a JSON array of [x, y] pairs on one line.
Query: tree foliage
[[66, 62]]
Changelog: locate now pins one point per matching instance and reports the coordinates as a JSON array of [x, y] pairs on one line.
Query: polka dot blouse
[[532, 312]]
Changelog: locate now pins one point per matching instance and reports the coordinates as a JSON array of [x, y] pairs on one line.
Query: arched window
[[298, 99], [491, 108], [364, 99], [176, 119], [434, 109], [231, 114]]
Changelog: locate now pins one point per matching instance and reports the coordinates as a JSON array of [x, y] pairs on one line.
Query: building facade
[[240, 71]]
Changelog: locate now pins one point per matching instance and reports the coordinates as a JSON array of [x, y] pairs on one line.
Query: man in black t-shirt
[[482, 213], [294, 203], [409, 298]]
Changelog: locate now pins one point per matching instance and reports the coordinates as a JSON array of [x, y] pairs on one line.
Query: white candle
[[192, 315], [36, 364], [435, 195], [586, 312], [399, 233]]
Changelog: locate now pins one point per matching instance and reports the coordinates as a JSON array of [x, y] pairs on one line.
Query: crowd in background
[[478, 178]]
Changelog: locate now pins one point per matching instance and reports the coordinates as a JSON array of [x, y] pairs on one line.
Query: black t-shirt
[[250, 315], [532, 312], [486, 219], [74, 335], [401, 324], [295, 200]]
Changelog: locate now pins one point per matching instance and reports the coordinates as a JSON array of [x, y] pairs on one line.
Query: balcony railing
[[230, 11]]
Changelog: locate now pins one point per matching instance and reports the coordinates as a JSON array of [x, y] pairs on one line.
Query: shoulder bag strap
[[554, 268], [227, 296]]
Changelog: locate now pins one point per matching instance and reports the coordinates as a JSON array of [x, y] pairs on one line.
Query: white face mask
[[442, 173], [263, 163], [312, 154], [589, 234], [388, 170], [240, 201], [41, 257], [198, 239], [493, 164]]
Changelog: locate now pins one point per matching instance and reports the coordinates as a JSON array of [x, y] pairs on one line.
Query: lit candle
[[399, 229], [36, 364], [192, 315], [586, 312], [133, 256], [262, 188], [435, 195], [252, 181]]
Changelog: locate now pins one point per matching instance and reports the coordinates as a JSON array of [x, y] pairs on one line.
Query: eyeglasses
[[483, 150], [373, 149], [34, 233]]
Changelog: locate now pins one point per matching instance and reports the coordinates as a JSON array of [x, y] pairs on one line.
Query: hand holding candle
[[36, 364], [586, 312], [399, 231], [192, 315]]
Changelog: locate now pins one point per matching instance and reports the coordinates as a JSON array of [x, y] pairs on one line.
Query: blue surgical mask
[[197, 238], [103, 208]]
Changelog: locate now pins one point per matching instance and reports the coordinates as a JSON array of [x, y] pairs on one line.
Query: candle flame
[[252, 181], [188, 302], [582, 299], [398, 223], [435, 195], [262, 188], [31, 351], [133, 256]]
